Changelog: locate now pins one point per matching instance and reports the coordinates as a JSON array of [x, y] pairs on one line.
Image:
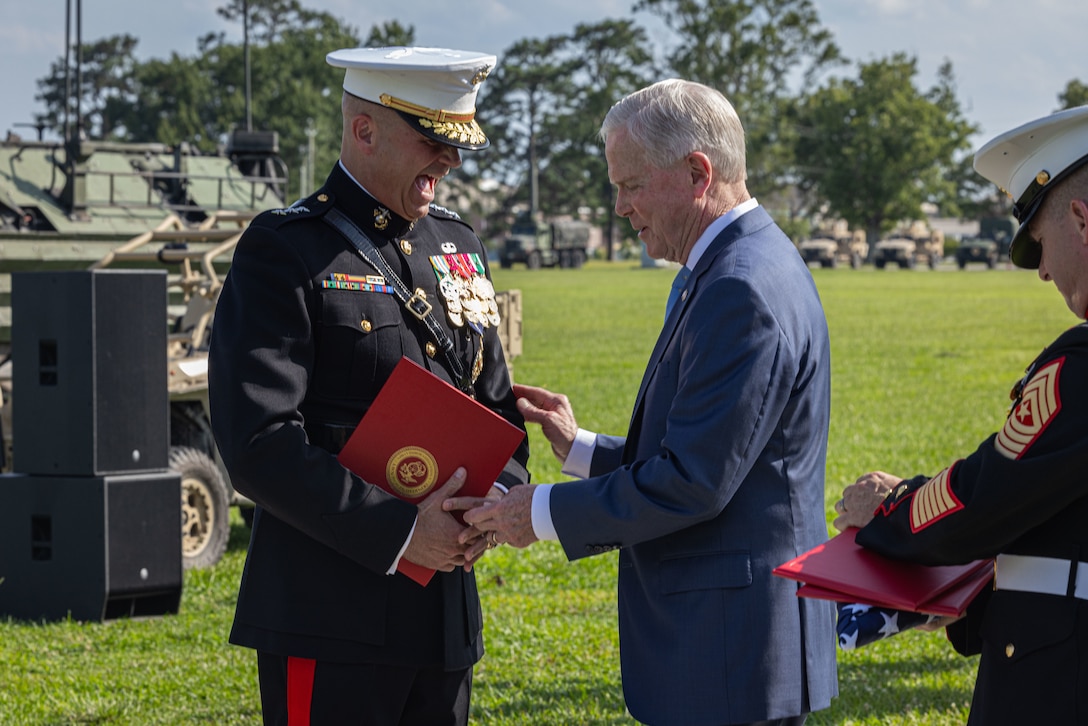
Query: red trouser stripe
[[300, 690]]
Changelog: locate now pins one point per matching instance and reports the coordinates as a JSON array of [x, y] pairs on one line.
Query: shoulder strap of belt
[[415, 304]]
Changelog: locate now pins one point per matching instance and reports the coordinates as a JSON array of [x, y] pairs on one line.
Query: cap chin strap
[[436, 115]]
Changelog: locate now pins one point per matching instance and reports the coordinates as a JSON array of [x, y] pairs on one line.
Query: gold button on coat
[[406, 247], [431, 350], [1009, 650], [365, 325]]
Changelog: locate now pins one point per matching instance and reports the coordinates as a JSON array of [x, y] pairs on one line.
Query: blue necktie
[[677, 285]]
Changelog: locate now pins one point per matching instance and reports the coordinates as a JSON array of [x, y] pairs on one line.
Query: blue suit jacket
[[720, 479]]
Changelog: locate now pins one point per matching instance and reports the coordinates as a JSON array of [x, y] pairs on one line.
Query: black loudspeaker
[[92, 548], [89, 372]]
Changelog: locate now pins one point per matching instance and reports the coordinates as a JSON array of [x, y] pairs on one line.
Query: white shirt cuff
[[542, 513], [581, 454], [396, 561]]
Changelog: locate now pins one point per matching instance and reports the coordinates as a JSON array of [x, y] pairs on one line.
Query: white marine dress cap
[[1027, 162], [434, 89]]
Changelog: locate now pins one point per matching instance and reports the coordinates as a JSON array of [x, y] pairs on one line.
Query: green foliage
[[1075, 94], [545, 101], [753, 51], [201, 99], [543, 106], [875, 148], [108, 67], [391, 33]]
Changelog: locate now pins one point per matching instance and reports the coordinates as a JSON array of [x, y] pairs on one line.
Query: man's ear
[[701, 170], [1079, 210], [363, 131]]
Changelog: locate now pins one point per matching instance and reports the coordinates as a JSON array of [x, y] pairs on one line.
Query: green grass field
[[922, 364]]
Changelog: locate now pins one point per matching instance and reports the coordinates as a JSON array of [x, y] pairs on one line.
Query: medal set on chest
[[468, 295]]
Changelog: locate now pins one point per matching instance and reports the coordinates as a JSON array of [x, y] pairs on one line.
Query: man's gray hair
[[672, 118]]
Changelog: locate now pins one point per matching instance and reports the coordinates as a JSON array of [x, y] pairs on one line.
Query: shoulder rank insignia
[[1038, 404], [449, 212], [933, 500], [293, 209]]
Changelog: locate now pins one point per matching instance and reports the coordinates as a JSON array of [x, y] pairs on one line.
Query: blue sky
[[1010, 61]]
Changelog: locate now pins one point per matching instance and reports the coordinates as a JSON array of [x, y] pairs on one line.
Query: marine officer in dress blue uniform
[[322, 300], [1022, 496]]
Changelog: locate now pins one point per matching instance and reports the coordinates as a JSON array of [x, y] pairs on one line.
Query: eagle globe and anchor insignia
[[411, 471]]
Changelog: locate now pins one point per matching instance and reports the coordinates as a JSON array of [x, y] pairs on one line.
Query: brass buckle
[[418, 305]]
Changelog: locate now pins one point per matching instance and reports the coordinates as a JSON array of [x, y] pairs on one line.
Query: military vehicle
[[991, 244], [539, 244], [908, 247], [976, 249], [835, 245], [94, 204]]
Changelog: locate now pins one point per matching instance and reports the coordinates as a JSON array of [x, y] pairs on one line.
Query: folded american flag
[[860, 625]]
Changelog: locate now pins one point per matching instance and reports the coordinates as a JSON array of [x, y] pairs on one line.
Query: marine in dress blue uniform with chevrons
[[1022, 496]]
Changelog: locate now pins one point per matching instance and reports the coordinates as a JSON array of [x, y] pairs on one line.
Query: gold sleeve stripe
[[1039, 404], [933, 500]]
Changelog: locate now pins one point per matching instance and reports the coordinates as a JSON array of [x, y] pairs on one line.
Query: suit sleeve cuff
[[543, 527], [580, 457]]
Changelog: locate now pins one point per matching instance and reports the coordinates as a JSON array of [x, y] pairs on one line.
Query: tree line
[[826, 136]]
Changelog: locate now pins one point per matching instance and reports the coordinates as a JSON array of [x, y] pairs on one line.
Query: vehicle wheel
[[564, 259], [205, 520], [505, 263], [578, 258], [533, 261], [962, 263], [879, 264]]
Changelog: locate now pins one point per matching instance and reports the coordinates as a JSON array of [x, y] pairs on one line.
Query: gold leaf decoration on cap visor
[[466, 133]]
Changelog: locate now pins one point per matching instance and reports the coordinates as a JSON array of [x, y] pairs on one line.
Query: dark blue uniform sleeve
[[1021, 486]]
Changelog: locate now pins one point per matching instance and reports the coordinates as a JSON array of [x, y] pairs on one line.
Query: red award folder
[[417, 432], [844, 571]]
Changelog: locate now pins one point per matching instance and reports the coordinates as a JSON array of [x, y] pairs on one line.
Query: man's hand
[[435, 542], [554, 414], [477, 540], [509, 519], [861, 499]]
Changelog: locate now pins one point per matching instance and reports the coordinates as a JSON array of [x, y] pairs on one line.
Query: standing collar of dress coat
[[364, 207], [716, 228]]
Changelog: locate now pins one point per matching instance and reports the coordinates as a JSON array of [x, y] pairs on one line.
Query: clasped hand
[[439, 541], [510, 517]]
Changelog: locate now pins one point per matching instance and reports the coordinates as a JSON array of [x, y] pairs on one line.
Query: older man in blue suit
[[721, 474]]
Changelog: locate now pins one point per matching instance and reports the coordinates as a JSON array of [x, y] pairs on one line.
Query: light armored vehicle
[[908, 248], [834, 247]]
